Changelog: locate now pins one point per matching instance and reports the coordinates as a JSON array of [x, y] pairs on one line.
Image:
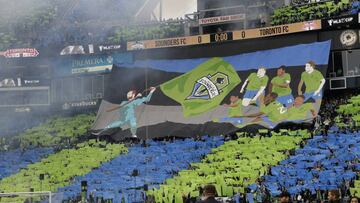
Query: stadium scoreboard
[[226, 36], [221, 37]]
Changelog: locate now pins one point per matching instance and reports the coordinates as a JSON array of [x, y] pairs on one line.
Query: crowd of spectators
[[150, 30], [313, 11], [331, 101], [67, 22], [302, 2]]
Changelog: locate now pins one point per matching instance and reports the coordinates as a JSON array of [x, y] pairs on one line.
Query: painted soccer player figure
[[281, 86], [271, 111], [256, 84], [127, 110], [314, 83], [300, 110], [234, 111]]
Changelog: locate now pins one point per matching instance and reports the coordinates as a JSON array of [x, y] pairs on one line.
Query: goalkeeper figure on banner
[[126, 111]]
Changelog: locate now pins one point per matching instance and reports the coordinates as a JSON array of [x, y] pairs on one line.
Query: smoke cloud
[[177, 9], [17, 10], [94, 17]]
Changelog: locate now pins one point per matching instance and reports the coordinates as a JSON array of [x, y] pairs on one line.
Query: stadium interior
[[118, 101]]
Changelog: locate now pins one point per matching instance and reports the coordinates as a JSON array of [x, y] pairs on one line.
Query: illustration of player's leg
[[133, 126], [308, 96], [317, 104], [297, 121], [115, 124], [261, 98], [232, 120], [286, 100], [249, 94], [317, 98], [266, 120], [255, 120]]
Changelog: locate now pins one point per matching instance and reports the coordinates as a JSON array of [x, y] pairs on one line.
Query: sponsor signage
[[74, 50], [228, 36], [91, 64], [10, 82], [69, 105], [89, 49], [22, 52], [32, 82], [23, 82], [277, 30], [22, 109], [170, 42], [221, 19], [68, 65], [344, 21], [109, 47]]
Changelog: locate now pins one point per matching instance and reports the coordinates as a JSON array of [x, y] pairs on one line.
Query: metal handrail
[[222, 8], [195, 16]]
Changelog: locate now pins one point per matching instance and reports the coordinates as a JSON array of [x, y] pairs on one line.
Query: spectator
[[284, 197], [327, 126], [351, 123], [334, 196], [354, 200], [208, 195]]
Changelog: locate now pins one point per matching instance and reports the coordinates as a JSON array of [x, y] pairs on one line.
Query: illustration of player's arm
[[259, 116], [254, 115], [313, 111], [261, 90], [144, 99], [284, 85], [244, 85], [135, 101], [231, 105], [322, 83], [301, 83]]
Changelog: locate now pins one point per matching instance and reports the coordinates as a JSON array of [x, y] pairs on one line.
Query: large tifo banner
[[219, 95]]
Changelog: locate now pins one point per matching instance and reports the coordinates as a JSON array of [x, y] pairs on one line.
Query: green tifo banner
[[202, 88]]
